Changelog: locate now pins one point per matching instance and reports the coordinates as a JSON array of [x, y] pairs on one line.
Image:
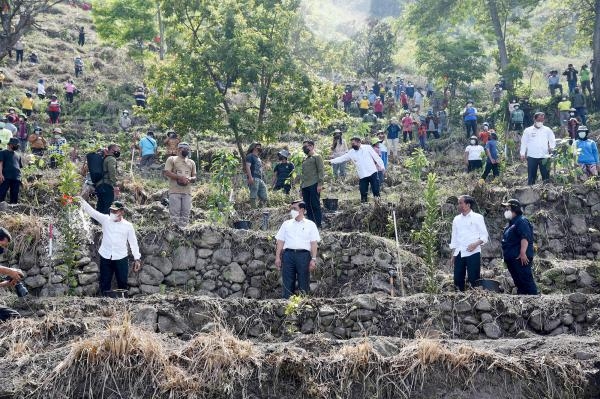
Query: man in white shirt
[[116, 233], [367, 163], [296, 251], [537, 143], [468, 235]]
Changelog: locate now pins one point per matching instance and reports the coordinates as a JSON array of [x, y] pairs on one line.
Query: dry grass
[[27, 231]]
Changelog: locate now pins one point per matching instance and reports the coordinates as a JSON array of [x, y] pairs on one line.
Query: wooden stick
[[398, 265]]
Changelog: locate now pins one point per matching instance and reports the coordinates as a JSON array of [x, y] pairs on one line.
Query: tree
[[373, 49], [18, 17], [494, 19]]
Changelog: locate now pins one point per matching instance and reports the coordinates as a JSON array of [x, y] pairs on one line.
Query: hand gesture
[[137, 265]]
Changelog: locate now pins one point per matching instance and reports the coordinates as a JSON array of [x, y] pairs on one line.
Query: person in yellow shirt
[[2, 77], [363, 105], [27, 103], [563, 110]]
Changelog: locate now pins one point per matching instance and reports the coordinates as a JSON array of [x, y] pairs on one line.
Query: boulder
[[492, 330], [184, 258], [536, 320], [527, 195], [150, 275], [147, 317], [253, 293], [208, 285], [234, 273], [91, 267], [577, 297], [149, 289], [177, 278], [243, 257], [210, 239], [585, 280], [222, 256], [34, 281], [87, 278], [365, 302], [205, 253], [169, 323], [483, 305], [578, 224]]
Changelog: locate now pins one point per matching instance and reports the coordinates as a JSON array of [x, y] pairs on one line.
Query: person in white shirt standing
[[468, 235], [296, 251], [474, 154], [537, 143], [116, 233], [367, 163]]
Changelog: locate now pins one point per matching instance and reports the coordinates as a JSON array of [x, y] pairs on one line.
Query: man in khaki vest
[[181, 172]]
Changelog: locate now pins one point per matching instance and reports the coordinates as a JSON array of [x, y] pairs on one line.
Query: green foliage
[[373, 49], [70, 180], [427, 237], [416, 163], [293, 305], [223, 167]]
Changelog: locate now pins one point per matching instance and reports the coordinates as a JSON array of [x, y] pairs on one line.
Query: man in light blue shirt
[[148, 149]]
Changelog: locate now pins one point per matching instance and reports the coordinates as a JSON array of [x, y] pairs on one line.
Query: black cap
[[117, 206], [13, 141], [301, 204], [512, 203]]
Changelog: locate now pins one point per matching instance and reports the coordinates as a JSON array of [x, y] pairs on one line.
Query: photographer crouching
[[12, 279]]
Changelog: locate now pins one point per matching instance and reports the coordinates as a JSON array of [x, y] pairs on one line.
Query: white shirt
[[465, 231], [537, 143], [115, 235], [366, 160], [476, 152], [298, 234], [418, 98]]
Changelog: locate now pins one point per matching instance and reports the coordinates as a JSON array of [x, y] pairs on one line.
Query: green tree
[[18, 17], [373, 49]]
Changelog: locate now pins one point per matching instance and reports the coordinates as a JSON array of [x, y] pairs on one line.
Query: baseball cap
[[117, 206], [512, 203]]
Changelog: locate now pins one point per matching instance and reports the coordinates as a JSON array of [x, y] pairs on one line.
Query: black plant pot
[[242, 225], [488, 285], [331, 204]]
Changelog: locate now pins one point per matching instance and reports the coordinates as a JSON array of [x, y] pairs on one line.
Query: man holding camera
[[14, 275]]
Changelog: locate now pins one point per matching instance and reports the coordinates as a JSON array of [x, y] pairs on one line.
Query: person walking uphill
[[181, 172], [106, 188], [368, 163], [254, 172], [116, 234], [296, 251], [536, 144], [470, 119], [517, 248], [10, 171], [468, 235], [313, 176]]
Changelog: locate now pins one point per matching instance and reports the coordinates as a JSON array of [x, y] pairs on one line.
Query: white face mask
[[294, 214], [538, 124], [581, 135], [473, 142], [508, 214], [114, 217]]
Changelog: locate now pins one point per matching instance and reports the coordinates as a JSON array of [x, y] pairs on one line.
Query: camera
[[393, 273], [20, 288]]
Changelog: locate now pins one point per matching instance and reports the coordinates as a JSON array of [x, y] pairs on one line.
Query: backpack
[[95, 164]]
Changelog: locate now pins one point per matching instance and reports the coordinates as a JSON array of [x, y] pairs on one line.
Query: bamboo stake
[[398, 265]]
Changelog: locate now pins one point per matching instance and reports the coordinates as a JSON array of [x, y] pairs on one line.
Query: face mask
[[117, 154], [294, 214], [114, 217], [355, 147], [473, 142], [185, 153], [15, 147], [538, 124], [508, 214], [582, 135], [306, 150]]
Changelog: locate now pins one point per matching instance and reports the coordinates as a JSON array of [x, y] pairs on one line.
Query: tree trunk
[[161, 34], [596, 47], [500, 40]]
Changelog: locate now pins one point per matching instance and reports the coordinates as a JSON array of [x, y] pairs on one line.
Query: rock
[[256, 267], [462, 307], [360, 260], [147, 317], [256, 281], [584, 355], [567, 319], [177, 278], [361, 315], [236, 287], [307, 327], [339, 332], [569, 270], [578, 224], [184, 258], [208, 285], [222, 256], [470, 320], [577, 297], [365, 302], [446, 306], [536, 320], [558, 331], [483, 305], [34, 281], [593, 198], [168, 323], [149, 289], [258, 253], [45, 271], [487, 318], [326, 310], [91, 267], [205, 253], [253, 293], [552, 324], [585, 280], [57, 278], [83, 261], [150, 275], [243, 257], [210, 239], [91, 289], [234, 273], [161, 263], [525, 334], [527, 195], [571, 278], [87, 278], [470, 329], [492, 330]]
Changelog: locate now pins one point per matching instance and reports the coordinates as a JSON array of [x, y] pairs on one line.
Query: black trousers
[[70, 97], [312, 199], [473, 165], [363, 186], [109, 267], [471, 266], [106, 195], [522, 276], [54, 115], [532, 166], [471, 127], [20, 55], [406, 135], [295, 267], [14, 186], [490, 167]]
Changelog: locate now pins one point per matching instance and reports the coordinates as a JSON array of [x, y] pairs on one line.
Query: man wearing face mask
[[181, 172], [254, 172], [367, 163], [15, 275], [517, 248], [296, 251], [106, 188], [313, 176], [116, 234], [474, 154], [536, 145], [10, 171], [588, 152], [468, 235]]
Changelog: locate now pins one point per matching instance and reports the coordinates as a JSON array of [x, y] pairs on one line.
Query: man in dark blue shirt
[[492, 163], [283, 170], [10, 171], [517, 248]]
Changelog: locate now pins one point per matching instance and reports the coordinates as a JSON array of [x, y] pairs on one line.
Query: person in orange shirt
[[484, 135]]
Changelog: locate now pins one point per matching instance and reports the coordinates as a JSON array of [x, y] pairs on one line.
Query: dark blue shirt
[[283, 172], [492, 145], [393, 131], [517, 229]]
